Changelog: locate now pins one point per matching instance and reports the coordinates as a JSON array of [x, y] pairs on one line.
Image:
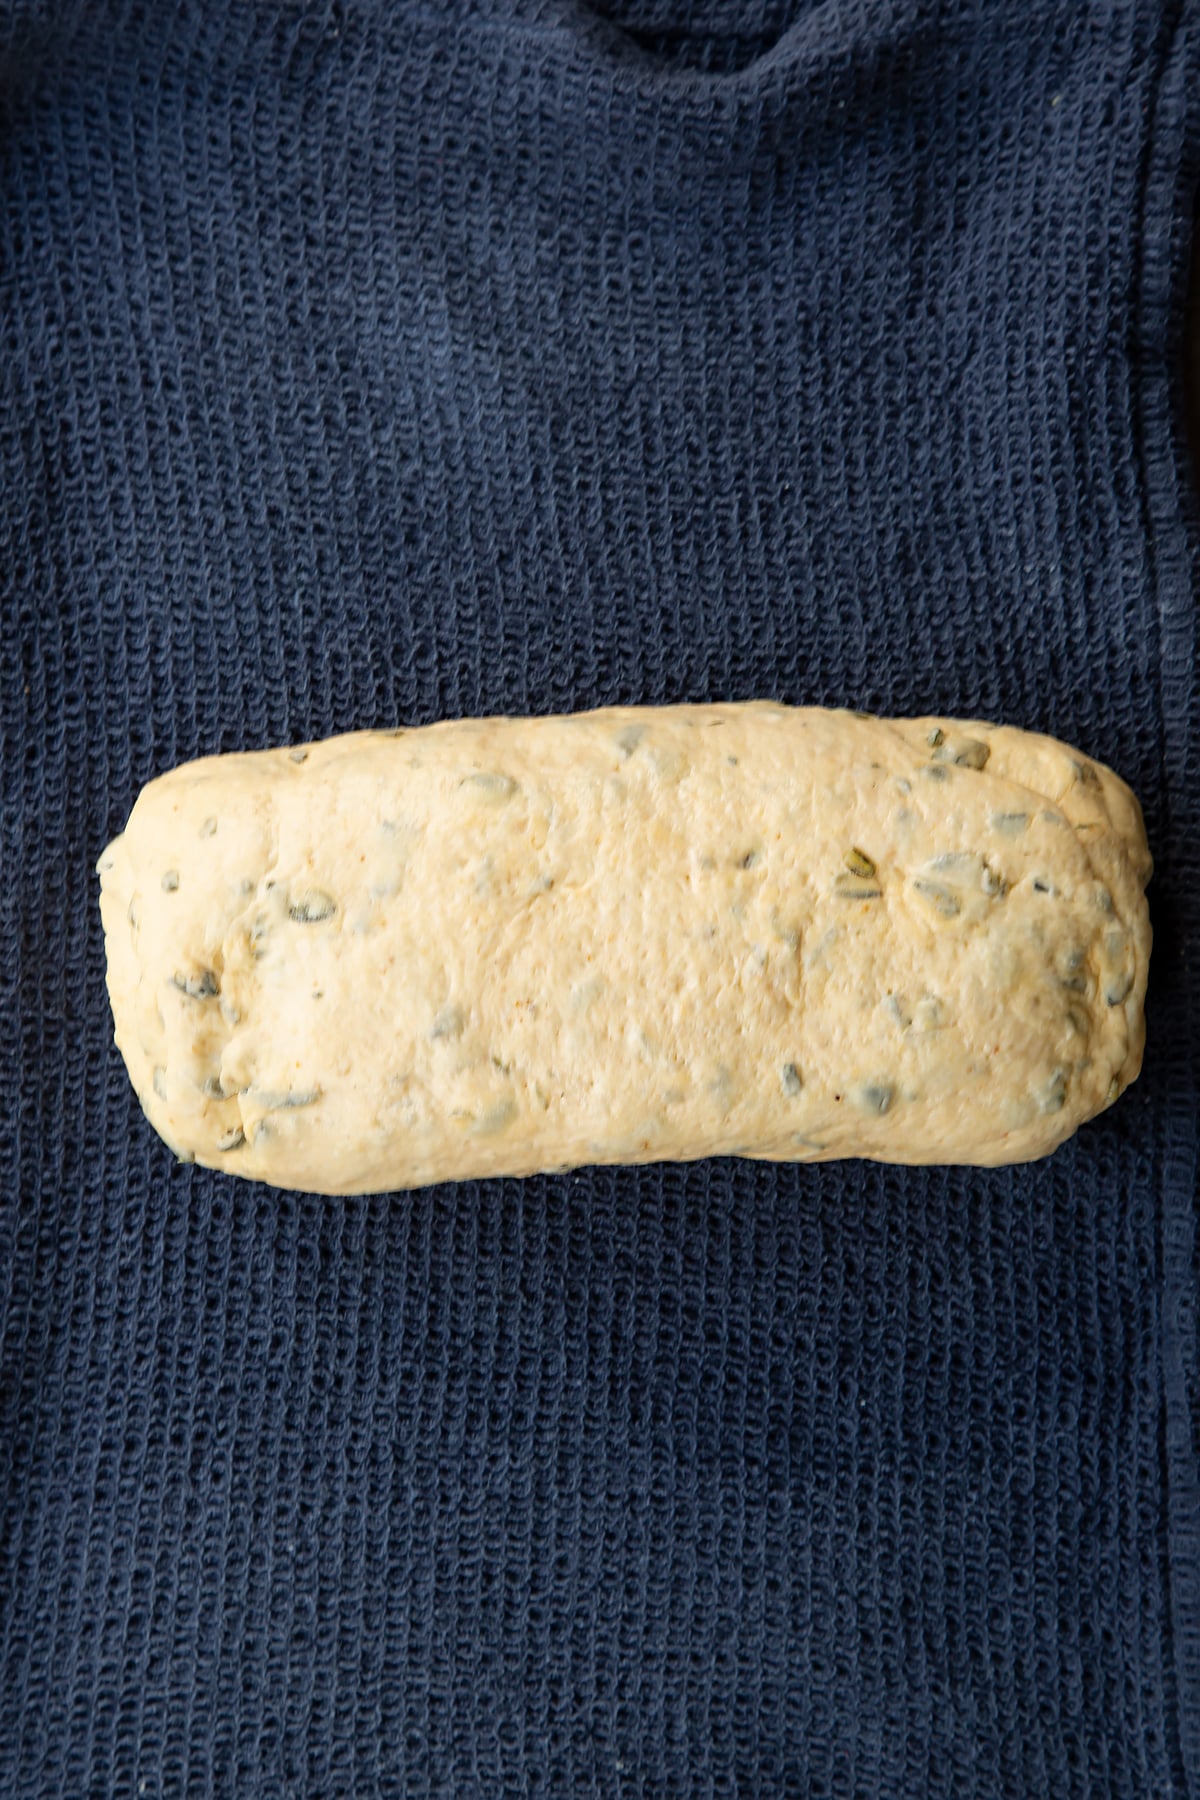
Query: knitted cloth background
[[364, 363]]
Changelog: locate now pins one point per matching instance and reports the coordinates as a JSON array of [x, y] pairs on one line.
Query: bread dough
[[502, 946]]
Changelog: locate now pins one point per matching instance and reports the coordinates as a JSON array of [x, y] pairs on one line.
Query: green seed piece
[[209, 827], [496, 1118], [955, 862], [786, 934], [203, 986], [448, 1023], [877, 1096], [291, 1098], [491, 788], [312, 908], [1118, 990], [935, 771], [298, 756], [936, 738], [1012, 824], [1054, 1096], [818, 956], [629, 737], [947, 904], [791, 1080], [973, 754], [160, 1083], [170, 881], [859, 863], [1074, 960]]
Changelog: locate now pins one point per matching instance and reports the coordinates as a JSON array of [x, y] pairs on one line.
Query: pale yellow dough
[[502, 946]]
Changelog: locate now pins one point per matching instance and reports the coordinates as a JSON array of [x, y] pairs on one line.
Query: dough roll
[[503, 946]]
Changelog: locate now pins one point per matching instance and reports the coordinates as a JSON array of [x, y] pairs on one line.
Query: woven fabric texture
[[365, 363]]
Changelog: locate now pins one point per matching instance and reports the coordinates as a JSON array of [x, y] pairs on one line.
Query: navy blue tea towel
[[368, 361]]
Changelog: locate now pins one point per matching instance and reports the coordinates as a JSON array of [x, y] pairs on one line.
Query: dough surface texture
[[495, 947]]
